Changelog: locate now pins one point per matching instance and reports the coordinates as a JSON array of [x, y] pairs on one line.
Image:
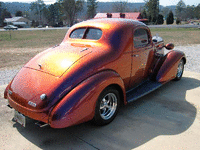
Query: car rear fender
[[169, 67], [79, 104]]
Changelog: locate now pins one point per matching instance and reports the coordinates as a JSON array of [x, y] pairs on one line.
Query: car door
[[140, 56]]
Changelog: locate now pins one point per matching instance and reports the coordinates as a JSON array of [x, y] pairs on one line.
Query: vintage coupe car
[[100, 65]]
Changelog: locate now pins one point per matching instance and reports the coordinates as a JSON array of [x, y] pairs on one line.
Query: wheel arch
[[168, 68], [79, 104], [121, 93], [184, 60]]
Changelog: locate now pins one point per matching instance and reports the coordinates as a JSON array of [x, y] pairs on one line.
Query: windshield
[[86, 33]]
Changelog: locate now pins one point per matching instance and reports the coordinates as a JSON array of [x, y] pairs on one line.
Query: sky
[[162, 2]]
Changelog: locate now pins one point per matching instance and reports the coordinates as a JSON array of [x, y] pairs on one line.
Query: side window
[[93, 34], [86, 33], [140, 38], [78, 33]]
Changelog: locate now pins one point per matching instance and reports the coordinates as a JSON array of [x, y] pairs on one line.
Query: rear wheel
[[107, 106], [180, 70]]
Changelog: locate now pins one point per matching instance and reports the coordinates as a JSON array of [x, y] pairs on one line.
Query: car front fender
[[78, 105], [168, 70]]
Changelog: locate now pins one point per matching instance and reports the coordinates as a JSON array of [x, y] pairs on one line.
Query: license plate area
[[20, 118]]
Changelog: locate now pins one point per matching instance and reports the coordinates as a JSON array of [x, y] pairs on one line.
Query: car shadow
[[162, 112]]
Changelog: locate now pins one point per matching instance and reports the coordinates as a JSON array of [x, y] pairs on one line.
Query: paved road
[[174, 26], [168, 118], [33, 29], [151, 26]]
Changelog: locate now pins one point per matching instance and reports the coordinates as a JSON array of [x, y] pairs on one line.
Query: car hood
[[55, 61]]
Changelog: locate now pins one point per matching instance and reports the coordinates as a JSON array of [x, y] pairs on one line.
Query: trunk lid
[[57, 60]]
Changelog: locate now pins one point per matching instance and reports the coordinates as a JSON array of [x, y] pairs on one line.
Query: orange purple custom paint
[[99, 65]]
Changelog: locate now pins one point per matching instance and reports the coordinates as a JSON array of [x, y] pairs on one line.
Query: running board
[[142, 90]]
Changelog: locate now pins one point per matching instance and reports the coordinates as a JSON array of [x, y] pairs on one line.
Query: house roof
[[13, 19], [132, 15]]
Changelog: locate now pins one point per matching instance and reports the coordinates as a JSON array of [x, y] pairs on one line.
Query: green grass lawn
[[48, 38], [23, 45], [31, 39], [178, 36]]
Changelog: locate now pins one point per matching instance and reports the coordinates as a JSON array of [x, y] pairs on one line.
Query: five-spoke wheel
[[107, 106], [180, 70]]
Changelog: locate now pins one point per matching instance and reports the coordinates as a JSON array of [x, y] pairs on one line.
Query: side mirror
[[169, 46]]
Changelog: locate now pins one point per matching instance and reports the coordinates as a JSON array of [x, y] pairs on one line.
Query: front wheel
[[180, 70], [107, 106]]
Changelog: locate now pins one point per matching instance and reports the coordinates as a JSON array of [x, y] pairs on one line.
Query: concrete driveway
[[168, 118]]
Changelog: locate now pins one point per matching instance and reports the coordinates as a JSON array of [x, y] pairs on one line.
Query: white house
[[18, 21]]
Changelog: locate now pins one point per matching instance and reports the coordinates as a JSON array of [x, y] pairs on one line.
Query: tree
[[165, 11], [180, 10], [26, 14], [170, 18], [3, 14], [18, 14], [197, 12], [53, 14], [190, 12], [91, 8], [178, 21], [160, 19], [119, 7], [144, 14], [152, 7], [71, 8], [1, 19], [38, 6], [135, 10]]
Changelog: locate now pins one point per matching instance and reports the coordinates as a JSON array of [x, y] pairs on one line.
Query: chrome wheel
[[180, 70], [108, 106]]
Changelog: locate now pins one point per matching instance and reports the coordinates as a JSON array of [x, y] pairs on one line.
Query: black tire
[[180, 70], [107, 106]]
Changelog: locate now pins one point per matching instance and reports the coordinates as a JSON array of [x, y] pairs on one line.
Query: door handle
[[135, 55]]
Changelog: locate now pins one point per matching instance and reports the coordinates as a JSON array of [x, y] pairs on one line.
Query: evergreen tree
[[152, 7], [19, 14], [170, 18], [160, 19], [144, 14]]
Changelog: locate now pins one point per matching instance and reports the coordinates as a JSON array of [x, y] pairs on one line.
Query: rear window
[[86, 33]]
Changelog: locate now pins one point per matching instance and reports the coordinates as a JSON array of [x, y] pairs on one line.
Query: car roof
[[108, 23]]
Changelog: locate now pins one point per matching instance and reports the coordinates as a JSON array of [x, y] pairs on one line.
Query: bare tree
[[181, 10], [120, 6], [71, 8], [91, 8], [38, 6]]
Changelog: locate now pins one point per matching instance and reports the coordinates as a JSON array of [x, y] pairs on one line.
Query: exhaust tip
[[9, 106], [41, 124]]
